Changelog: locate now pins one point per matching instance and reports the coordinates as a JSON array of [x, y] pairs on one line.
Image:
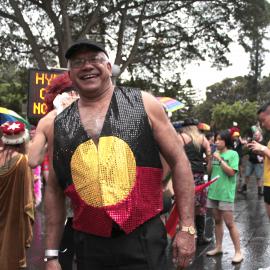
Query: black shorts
[[266, 194]]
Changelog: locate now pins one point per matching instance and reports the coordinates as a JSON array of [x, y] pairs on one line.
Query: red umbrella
[[172, 221]]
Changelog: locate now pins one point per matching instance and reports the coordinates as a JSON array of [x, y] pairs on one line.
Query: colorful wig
[[60, 84], [234, 130]]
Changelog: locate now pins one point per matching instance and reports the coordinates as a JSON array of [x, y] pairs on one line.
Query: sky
[[202, 75]]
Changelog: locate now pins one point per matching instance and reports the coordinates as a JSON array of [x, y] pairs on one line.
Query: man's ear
[[69, 75], [109, 67]]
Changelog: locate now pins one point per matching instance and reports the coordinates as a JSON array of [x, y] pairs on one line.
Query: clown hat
[[14, 133]]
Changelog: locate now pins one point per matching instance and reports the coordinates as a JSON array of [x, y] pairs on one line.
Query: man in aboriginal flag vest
[[106, 159]]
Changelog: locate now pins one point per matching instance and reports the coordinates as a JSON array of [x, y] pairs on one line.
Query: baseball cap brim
[[78, 45]]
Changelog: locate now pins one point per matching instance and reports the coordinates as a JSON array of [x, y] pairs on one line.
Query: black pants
[[143, 249], [66, 253]]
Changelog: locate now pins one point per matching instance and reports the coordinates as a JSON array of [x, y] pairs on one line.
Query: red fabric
[[143, 203], [45, 163], [172, 221]]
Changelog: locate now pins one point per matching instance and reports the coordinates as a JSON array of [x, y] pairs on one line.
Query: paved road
[[251, 220], [254, 228]]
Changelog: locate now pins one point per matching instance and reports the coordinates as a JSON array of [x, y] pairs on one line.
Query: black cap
[[84, 43], [190, 122]]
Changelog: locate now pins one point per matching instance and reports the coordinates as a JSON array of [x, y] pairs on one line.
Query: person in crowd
[[37, 185], [210, 136], [59, 95], [264, 118], [254, 163], [221, 194], [238, 144], [106, 159], [167, 188], [255, 146], [198, 151], [16, 197], [37, 176]]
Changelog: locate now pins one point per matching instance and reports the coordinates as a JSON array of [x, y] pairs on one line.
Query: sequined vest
[[118, 182]]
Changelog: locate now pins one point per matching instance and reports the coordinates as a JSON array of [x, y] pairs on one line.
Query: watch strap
[[50, 258]]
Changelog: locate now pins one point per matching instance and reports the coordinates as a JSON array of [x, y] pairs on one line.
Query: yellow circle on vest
[[103, 175]]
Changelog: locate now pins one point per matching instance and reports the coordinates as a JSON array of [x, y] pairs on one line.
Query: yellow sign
[[38, 81]]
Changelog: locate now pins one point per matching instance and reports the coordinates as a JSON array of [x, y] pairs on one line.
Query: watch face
[[191, 230]]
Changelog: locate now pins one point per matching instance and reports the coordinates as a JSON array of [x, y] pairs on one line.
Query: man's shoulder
[[127, 88], [46, 120], [50, 116]]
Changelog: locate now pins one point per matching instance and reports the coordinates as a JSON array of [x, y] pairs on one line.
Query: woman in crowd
[[198, 151], [16, 197], [221, 194]]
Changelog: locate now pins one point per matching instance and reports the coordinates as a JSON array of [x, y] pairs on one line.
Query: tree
[[202, 112], [150, 36], [254, 18], [173, 88], [245, 114], [264, 94], [13, 87], [229, 90]]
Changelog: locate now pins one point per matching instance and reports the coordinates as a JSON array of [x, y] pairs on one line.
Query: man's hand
[[216, 155], [256, 147], [53, 265], [183, 249]]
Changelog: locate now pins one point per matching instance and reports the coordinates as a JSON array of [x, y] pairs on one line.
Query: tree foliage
[[226, 99], [150, 39], [202, 111], [229, 90], [185, 93], [264, 94], [13, 87], [148, 35], [245, 114], [254, 18]]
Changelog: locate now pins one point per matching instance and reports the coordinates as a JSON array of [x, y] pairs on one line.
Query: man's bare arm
[[37, 148], [55, 211], [173, 152], [183, 183], [55, 215], [38, 144]]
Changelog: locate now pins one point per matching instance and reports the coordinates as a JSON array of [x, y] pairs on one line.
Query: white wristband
[[51, 252], [263, 148]]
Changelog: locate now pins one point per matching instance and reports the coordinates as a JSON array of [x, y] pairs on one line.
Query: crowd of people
[[107, 154]]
